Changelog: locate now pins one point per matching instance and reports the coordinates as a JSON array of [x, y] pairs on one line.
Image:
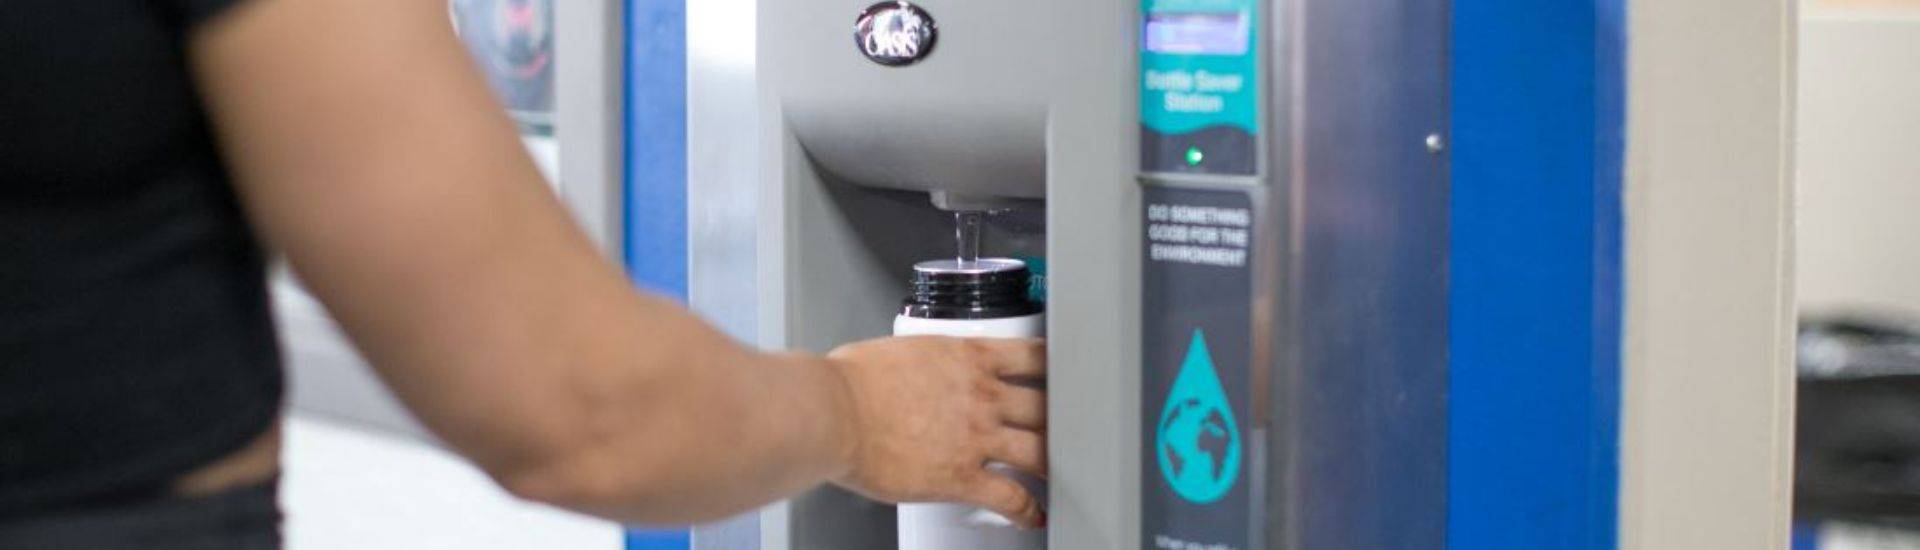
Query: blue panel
[[1806, 536], [656, 171], [1610, 144], [656, 164], [676, 540], [1535, 373]]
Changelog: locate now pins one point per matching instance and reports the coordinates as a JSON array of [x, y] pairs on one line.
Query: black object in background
[[1857, 450]]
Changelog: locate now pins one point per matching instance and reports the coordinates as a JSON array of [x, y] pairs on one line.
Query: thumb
[[1006, 497]]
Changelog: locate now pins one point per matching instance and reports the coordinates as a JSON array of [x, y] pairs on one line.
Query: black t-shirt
[[135, 338]]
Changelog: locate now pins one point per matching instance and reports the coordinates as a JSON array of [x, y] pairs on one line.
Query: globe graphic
[[1198, 450]]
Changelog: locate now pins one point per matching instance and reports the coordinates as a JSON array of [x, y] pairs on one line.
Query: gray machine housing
[[1029, 100], [1038, 101]]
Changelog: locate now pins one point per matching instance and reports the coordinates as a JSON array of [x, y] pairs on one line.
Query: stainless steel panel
[[1361, 389], [590, 69], [723, 176]]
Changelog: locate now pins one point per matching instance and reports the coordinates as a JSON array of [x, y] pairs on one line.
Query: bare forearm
[[576, 390], [541, 363], [546, 367], [719, 431]]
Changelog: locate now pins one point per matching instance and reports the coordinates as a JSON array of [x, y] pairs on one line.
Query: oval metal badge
[[895, 33]]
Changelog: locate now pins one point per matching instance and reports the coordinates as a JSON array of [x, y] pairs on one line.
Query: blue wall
[[1535, 370], [656, 171]]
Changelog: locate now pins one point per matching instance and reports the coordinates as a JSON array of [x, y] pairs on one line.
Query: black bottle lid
[[987, 288]]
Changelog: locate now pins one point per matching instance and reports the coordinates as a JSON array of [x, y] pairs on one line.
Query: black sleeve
[[191, 13]]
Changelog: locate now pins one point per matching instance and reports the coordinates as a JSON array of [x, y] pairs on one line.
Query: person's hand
[[931, 412]]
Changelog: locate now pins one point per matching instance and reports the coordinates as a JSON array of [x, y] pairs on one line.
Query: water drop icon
[[1198, 439]]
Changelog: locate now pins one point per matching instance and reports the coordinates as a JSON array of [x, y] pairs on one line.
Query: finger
[[1014, 357], [1023, 407], [1005, 497], [1023, 450]]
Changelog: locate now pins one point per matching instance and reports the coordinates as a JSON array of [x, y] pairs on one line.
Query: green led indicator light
[[1194, 156]]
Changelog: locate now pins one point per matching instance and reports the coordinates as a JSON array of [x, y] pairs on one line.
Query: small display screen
[[1197, 33]]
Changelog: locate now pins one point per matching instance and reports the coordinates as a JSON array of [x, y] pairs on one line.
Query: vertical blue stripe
[[673, 540], [656, 163], [655, 217], [1538, 106]]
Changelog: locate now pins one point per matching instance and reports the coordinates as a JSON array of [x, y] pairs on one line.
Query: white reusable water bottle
[[984, 298]]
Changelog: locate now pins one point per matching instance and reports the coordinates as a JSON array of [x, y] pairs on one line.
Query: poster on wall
[[512, 40]]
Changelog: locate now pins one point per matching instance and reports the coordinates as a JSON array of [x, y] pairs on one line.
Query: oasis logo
[[895, 33]]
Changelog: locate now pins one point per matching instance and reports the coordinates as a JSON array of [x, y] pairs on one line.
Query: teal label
[[1200, 440], [1037, 286], [1198, 443], [1199, 85]]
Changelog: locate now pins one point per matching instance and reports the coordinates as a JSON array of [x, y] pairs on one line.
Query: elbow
[[554, 456], [577, 477], [544, 483], [554, 470], [584, 489]]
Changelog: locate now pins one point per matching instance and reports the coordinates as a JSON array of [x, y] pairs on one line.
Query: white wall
[[1860, 159], [347, 487], [1706, 435]]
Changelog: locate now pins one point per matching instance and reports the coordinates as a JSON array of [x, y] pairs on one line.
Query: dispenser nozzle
[[968, 202]]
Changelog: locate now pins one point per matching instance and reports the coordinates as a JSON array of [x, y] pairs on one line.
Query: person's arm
[[369, 151]]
